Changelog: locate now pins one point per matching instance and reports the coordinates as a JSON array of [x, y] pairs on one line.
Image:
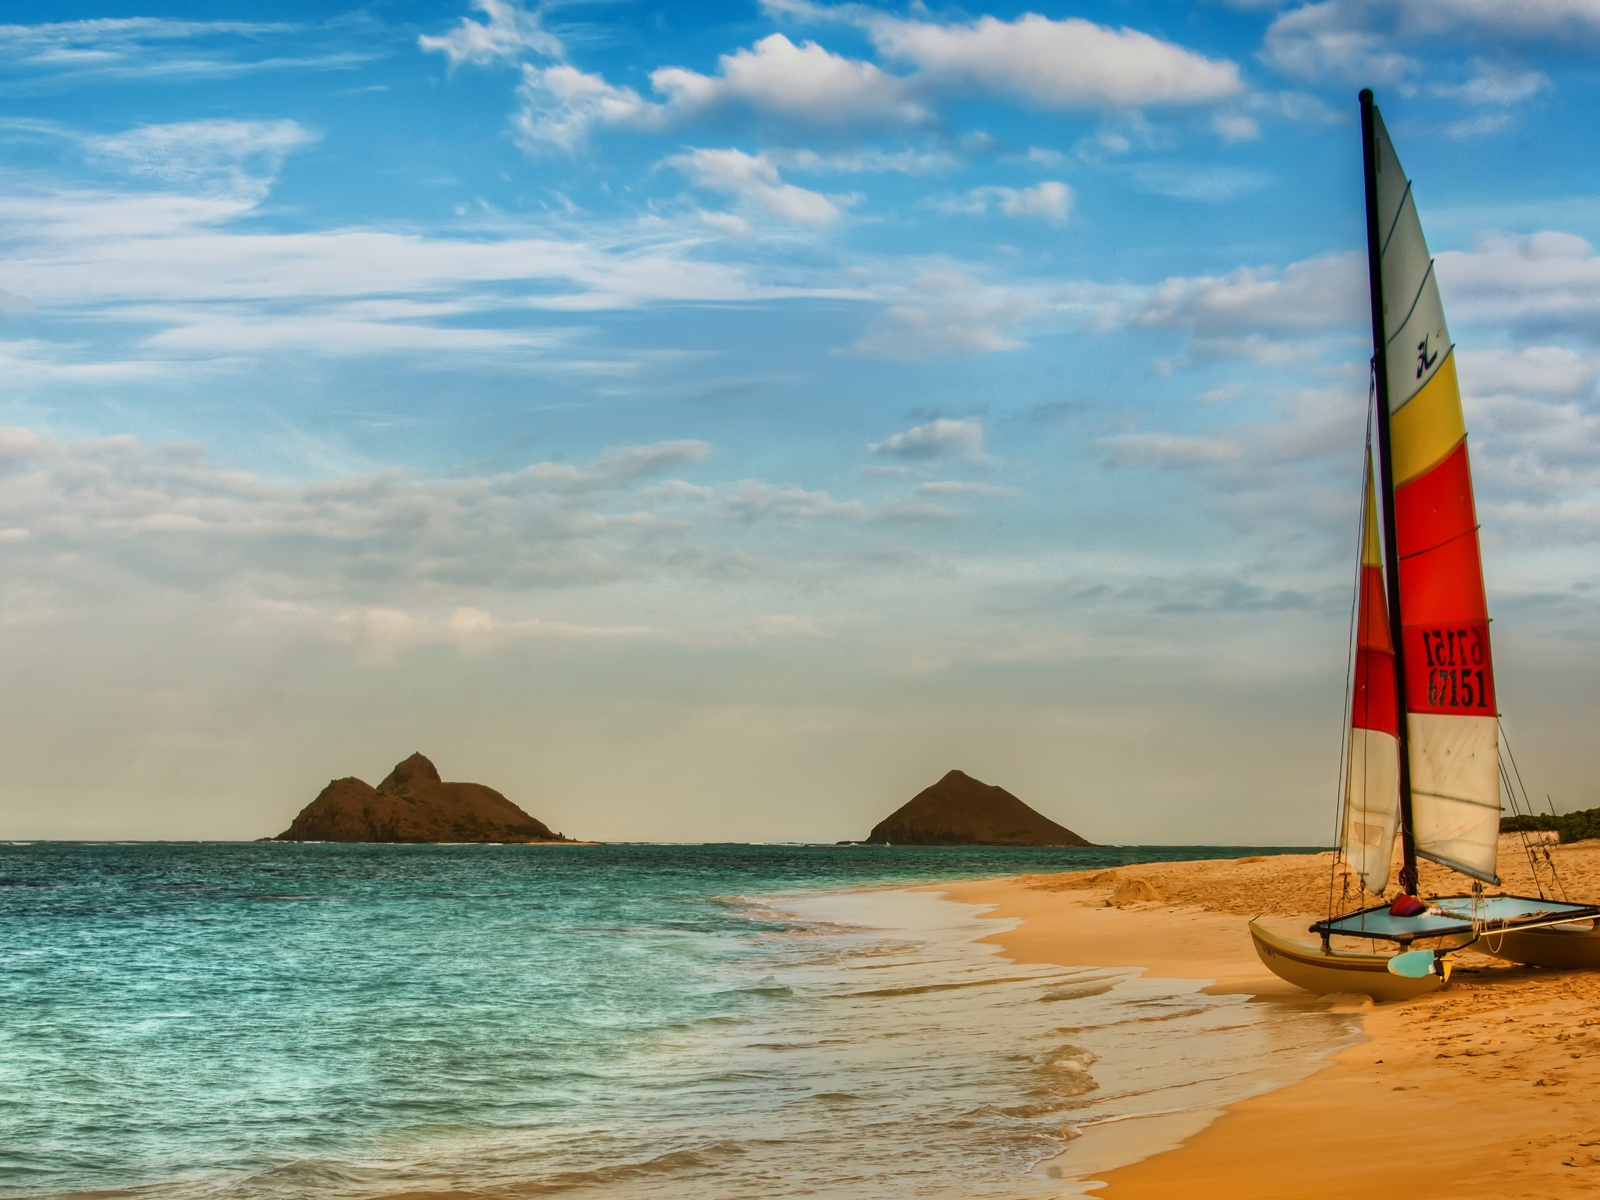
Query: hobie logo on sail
[[1424, 359]]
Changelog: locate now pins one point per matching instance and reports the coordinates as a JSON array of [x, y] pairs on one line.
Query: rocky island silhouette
[[413, 804], [962, 811]]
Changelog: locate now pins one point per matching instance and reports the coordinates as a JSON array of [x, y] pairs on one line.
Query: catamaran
[[1422, 759]]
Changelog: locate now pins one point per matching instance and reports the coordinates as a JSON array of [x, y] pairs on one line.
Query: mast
[[1391, 553]]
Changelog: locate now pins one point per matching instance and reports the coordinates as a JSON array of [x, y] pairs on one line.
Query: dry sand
[[1485, 1088]]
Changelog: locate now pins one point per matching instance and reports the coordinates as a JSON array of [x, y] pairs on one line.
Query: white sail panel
[[1413, 316], [1392, 182], [1419, 344], [1455, 791], [1371, 806]]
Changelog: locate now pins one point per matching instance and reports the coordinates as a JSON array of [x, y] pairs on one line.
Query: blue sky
[[719, 421]]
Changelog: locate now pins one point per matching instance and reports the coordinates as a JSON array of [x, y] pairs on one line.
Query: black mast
[[1391, 554]]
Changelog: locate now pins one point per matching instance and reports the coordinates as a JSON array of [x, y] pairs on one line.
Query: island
[[414, 805], [962, 811]]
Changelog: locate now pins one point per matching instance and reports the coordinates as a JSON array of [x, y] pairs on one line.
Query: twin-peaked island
[[413, 804]]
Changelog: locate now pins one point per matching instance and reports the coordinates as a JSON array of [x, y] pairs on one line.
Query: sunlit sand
[[1495, 1071]]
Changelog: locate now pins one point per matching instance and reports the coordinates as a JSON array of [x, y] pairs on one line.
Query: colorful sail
[[1449, 682], [1372, 784], [1372, 778]]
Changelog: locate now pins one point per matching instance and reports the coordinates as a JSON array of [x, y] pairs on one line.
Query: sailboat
[[1423, 751]]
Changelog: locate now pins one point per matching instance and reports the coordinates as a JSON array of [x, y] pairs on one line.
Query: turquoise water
[[278, 1020]]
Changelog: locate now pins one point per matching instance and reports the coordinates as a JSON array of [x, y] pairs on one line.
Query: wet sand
[[1482, 1089]]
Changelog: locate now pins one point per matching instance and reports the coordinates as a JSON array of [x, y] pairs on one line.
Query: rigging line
[[1505, 741], [1341, 799], [1527, 843]]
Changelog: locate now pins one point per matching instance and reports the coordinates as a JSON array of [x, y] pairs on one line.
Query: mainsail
[[1449, 701], [1372, 779]]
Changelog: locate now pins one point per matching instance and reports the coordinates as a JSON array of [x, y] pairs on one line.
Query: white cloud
[[727, 224], [561, 104], [1336, 39], [1050, 200], [750, 501], [152, 48], [1065, 64], [1173, 449], [754, 177], [1294, 475], [804, 84], [1549, 280], [510, 32], [1535, 439], [1370, 40], [775, 80], [172, 517], [1480, 126], [955, 316], [634, 462], [1524, 19], [1236, 127], [1538, 464], [198, 284], [217, 154], [390, 547], [960, 489], [867, 161], [940, 438], [1494, 84], [1311, 297], [1207, 183], [1541, 370]]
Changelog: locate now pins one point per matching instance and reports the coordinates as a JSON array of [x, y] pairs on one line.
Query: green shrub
[[1572, 826]]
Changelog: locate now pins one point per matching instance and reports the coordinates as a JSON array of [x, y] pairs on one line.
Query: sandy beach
[[1480, 1089]]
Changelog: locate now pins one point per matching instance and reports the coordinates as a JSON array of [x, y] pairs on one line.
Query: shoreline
[[1478, 1089]]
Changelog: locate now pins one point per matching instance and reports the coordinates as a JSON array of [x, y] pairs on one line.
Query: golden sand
[[1486, 1088]]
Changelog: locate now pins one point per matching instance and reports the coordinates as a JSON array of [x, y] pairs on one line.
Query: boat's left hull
[[1309, 967]]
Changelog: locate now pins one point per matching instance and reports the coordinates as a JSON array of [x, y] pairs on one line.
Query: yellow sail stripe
[[1429, 426], [1371, 549]]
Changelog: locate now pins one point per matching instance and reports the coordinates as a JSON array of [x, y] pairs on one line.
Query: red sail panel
[[1374, 699], [1374, 702], [1448, 668]]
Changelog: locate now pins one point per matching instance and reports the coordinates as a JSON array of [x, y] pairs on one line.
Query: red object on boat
[[1406, 906]]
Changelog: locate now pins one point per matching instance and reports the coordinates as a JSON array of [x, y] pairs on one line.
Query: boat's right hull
[[1309, 967], [1552, 946]]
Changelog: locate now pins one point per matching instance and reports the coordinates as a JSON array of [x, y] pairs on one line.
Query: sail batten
[[1452, 735]]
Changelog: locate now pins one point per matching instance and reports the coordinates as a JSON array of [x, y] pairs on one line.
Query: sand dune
[[1482, 1089]]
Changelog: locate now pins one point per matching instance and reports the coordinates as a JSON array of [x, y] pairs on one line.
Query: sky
[[717, 421]]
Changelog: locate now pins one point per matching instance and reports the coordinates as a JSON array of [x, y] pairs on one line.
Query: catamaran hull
[[1553, 946], [1308, 967]]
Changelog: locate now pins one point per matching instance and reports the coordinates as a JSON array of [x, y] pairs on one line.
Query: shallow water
[[271, 1020]]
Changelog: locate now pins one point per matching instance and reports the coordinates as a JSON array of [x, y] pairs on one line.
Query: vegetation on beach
[[1572, 827]]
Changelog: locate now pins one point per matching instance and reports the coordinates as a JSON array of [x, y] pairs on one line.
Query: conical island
[[962, 811], [414, 805]]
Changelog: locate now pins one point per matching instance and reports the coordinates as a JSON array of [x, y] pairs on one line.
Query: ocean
[[266, 1020]]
